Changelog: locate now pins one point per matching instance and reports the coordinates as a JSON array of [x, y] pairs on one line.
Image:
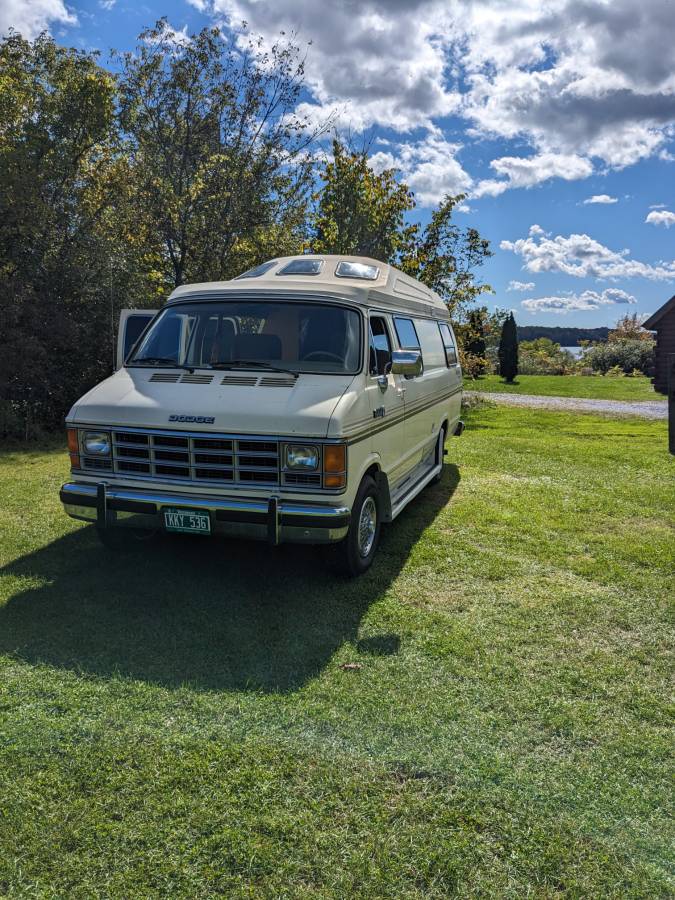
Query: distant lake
[[575, 351]]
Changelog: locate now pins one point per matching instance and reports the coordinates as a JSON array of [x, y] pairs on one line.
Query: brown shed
[[663, 323]]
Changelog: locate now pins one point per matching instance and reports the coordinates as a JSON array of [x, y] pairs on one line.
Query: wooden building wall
[[665, 344]]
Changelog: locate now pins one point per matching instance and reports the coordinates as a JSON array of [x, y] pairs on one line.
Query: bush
[[544, 357], [627, 355]]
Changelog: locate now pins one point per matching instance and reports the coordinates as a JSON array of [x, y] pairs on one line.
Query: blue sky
[[557, 120]]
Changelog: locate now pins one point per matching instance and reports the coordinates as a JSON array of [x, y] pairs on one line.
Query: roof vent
[[302, 267], [345, 269], [257, 271]]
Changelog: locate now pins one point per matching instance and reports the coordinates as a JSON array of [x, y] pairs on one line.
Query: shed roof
[[652, 321]]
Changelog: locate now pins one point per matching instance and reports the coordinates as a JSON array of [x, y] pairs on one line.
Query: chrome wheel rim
[[367, 526]]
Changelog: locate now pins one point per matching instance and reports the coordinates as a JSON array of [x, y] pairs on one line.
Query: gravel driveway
[[650, 409]]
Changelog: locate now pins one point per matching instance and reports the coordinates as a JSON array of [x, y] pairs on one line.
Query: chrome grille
[[195, 458]]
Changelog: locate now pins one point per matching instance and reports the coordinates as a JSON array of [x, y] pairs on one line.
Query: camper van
[[307, 400]]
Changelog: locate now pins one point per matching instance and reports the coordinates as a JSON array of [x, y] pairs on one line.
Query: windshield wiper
[[252, 364], [160, 361]]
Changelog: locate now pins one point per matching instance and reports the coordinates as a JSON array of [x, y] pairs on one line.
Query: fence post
[[671, 402]]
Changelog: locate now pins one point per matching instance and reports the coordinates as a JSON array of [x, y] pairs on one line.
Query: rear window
[[448, 343], [407, 336]]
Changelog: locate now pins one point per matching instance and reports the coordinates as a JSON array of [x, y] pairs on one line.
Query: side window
[[380, 346], [407, 336], [432, 345], [448, 343]]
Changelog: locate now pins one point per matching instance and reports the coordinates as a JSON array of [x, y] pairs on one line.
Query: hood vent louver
[[277, 382], [164, 378], [196, 379], [241, 380]]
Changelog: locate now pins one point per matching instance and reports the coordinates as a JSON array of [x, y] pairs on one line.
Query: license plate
[[192, 521]]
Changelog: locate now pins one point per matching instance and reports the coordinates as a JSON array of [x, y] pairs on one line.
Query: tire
[[125, 540], [440, 447], [355, 553]]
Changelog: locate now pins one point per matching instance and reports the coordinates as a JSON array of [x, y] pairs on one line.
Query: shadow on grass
[[214, 614]]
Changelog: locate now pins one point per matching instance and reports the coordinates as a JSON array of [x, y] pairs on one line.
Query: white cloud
[[429, 167], [107, 4], [380, 62], [576, 302], [583, 257], [600, 198], [578, 82], [520, 286], [529, 171], [658, 206], [661, 217], [30, 17]]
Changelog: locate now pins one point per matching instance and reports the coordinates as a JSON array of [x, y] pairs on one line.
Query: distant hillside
[[566, 337]]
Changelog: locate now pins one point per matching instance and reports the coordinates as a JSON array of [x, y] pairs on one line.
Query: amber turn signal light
[[334, 465], [73, 448], [334, 458]]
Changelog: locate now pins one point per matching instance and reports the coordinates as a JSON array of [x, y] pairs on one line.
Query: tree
[[508, 350], [59, 178], [629, 328], [358, 211], [216, 149]]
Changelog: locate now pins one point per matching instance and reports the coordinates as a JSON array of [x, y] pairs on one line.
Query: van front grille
[[192, 458]]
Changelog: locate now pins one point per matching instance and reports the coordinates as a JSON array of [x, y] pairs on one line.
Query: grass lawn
[[591, 386], [483, 714]]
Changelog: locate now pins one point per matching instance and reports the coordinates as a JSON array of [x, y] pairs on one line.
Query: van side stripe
[[363, 435]]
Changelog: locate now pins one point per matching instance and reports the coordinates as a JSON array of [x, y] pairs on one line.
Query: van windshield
[[294, 336]]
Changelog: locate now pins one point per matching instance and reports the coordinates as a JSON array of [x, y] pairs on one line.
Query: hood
[[241, 402]]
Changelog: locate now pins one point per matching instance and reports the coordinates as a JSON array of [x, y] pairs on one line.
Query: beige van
[[307, 400]]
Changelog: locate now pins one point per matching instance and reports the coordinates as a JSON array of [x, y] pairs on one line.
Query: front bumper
[[274, 520]]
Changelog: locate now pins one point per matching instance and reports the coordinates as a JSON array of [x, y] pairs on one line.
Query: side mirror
[[406, 362]]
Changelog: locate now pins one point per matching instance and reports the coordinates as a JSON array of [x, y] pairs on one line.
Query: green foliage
[[445, 257], [216, 149], [544, 357], [624, 354], [508, 350], [59, 178], [361, 212]]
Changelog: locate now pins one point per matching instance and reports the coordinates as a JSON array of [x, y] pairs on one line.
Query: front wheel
[[355, 553]]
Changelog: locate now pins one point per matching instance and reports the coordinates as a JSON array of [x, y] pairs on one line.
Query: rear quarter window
[[433, 352], [448, 343]]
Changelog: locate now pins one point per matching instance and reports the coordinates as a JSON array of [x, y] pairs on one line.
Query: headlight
[[97, 443], [301, 456]]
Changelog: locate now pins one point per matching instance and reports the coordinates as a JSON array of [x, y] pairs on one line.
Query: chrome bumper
[[272, 520]]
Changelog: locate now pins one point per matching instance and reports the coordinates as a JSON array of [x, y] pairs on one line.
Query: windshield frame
[[335, 302]]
